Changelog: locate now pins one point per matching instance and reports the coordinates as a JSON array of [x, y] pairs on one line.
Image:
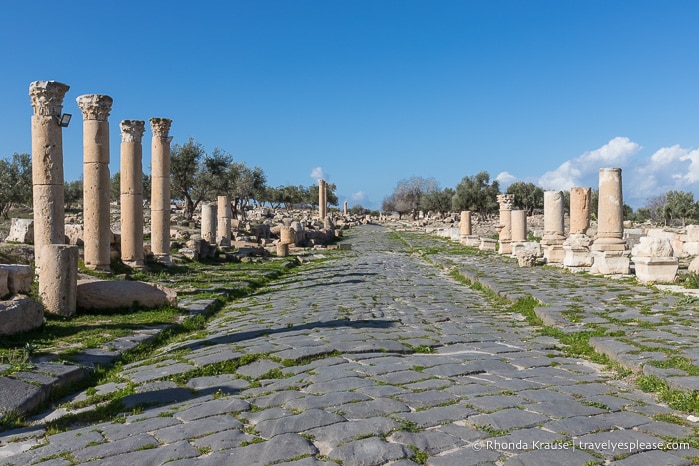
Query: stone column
[[580, 210], [58, 281], [131, 191], [344, 210], [610, 211], [322, 200], [47, 164], [97, 234], [609, 248], [160, 189], [465, 224], [223, 232], [554, 233], [505, 237], [577, 245], [208, 222], [519, 225]]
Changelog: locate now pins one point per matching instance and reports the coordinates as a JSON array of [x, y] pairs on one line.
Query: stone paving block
[[258, 368], [156, 371], [162, 393], [427, 399], [552, 458], [226, 384], [436, 416], [212, 408], [343, 432], [21, 396], [332, 401], [558, 410], [465, 456], [618, 443], [369, 451], [223, 440], [162, 455], [117, 431], [282, 447], [197, 428], [653, 458], [297, 423], [376, 407], [689, 383], [507, 419], [431, 442], [346, 383], [125, 445]]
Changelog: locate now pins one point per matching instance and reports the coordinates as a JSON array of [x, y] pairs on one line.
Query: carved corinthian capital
[[95, 106], [47, 97], [160, 127], [132, 130], [506, 201]]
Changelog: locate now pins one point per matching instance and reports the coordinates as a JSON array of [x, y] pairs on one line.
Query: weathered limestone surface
[[47, 162], [114, 294], [19, 277], [160, 189], [223, 223], [554, 234], [609, 248], [21, 230], [96, 180], [208, 222], [505, 236], [20, 315], [131, 192], [654, 261], [580, 199], [58, 279]]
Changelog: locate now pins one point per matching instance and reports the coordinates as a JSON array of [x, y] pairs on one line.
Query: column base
[[610, 263]]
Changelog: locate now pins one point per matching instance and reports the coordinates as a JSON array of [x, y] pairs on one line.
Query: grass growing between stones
[[676, 399]]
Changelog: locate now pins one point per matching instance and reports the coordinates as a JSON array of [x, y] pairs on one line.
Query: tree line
[[478, 194], [195, 177]]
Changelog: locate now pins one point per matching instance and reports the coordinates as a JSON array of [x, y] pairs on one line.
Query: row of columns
[[48, 195], [608, 251]]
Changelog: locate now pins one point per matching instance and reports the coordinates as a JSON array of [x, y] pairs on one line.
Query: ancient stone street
[[379, 356]]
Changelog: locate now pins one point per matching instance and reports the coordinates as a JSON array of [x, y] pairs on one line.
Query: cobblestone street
[[379, 356]]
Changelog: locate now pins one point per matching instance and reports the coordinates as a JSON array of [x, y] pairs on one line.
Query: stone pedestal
[[554, 234], [47, 164], [58, 280], [208, 222], [656, 269], [95, 109], [282, 249], [223, 227], [488, 244], [609, 248], [505, 228], [577, 251], [471, 240], [131, 192], [160, 189]]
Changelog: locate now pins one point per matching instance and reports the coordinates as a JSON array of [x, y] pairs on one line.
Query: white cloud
[[358, 197], [584, 169], [318, 174], [505, 178]]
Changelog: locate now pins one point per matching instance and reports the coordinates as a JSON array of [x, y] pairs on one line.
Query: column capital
[[95, 106], [132, 130], [47, 97], [506, 201], [160, 127]]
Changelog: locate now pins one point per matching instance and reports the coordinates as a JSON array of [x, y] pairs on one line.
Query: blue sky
[[366, 93]]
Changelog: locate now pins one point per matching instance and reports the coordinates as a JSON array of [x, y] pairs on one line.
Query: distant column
[[322, 200], [344, 209], [505, 237], [223, 227], [580, 210], [519, 225], [465, 225], [553, 218], [208, 222], [95, 109], [131, 190], [47, 164], [160, 189], [610, 211], [609, 250]]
